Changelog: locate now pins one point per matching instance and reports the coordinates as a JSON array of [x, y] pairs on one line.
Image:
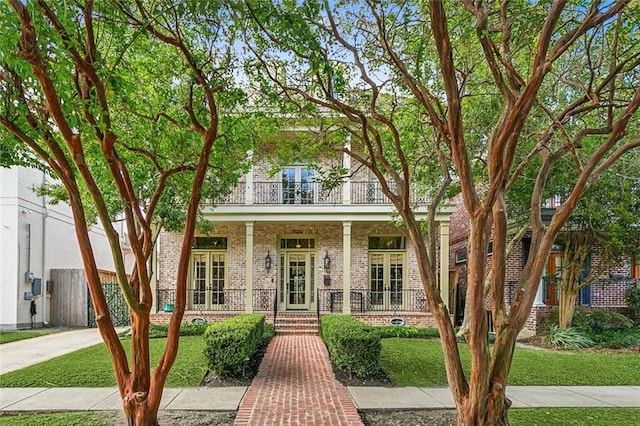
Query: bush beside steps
[[352, 345], [231, 343]]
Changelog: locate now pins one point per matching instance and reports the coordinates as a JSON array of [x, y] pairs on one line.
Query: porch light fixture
[[327, 261], [267, 261]]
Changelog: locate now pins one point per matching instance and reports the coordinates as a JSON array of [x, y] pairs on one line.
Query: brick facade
[[605, 293], [266, 238]]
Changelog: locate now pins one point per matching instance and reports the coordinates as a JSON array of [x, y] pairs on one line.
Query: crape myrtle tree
[[602, 233], [469, 92], [134, 112]]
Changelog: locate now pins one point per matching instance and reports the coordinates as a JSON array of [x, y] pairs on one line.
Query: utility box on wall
[[36, 286]]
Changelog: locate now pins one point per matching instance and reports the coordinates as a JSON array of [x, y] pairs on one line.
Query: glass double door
[[386, 278], [299, 279], [208, 274]]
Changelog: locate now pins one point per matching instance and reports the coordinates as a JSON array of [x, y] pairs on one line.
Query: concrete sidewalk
[[23, 353], [413, 398], [13, 400], [100, 399]]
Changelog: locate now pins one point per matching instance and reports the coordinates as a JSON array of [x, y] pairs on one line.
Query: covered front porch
[[266, 300], [406, 307]]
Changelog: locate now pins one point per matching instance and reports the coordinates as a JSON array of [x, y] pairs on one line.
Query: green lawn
[[419, 362], [517, 417], [14, 336], [91, 367], [574, 416], [79, 418]]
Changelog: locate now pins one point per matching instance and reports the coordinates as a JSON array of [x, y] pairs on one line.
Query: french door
[[208, 277], [386, 278], [297, 185]]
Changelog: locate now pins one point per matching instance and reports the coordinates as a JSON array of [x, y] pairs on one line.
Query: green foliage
[[352, 345], [389, 331], [92, 367], [186, 329], [601, 320], [632, 297], [231, 343], [617, 339], [569, 337]]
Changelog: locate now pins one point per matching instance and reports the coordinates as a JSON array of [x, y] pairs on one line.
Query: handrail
[[318, 309], [275, 307]]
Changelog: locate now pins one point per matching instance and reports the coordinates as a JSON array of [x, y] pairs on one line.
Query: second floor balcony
[[309, 193]]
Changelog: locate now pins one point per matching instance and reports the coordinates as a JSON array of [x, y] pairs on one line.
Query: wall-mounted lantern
[[327, 261], [267, 261]]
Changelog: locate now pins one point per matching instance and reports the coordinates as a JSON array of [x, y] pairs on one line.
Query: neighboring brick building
[[322, 250], [606, 291]]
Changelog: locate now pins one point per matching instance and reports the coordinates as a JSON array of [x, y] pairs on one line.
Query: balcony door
[[297, 185]]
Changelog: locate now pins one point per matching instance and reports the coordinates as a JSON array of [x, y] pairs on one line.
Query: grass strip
[[14, 336], [419, 362], [91, 367]]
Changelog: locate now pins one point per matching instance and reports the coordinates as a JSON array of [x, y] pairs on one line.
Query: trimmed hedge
[[389, 331], [186, 329], [352, 345], [232, 342]]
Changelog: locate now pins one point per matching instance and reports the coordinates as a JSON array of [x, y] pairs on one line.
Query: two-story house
[[285, 243], [607, 288]]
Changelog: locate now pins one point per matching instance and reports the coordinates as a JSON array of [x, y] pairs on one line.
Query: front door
[[298, 276]]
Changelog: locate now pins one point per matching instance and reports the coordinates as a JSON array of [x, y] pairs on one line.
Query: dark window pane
[[387, 243], [209, 243]]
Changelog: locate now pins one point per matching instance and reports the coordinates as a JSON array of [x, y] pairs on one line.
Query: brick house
[[606, 291], [284, 243]]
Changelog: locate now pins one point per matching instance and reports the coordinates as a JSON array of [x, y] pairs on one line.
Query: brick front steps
[[296, 323]]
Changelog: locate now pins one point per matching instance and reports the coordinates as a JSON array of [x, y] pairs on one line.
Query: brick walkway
[[296, 386]]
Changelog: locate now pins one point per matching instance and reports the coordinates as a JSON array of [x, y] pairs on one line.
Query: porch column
[[444, 263], [346, 267], [249, 267]]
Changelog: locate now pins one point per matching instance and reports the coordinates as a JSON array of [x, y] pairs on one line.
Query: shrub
[[352, 345], [569, 337], [186, 329], [632, 297], [231, 343], [386, 332], [617, 339], [602, 319]]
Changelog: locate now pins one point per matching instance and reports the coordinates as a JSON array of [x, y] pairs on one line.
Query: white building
[[35, 237]]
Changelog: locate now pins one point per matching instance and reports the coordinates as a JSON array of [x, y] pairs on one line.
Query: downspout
[[45, 295], [26, 278]]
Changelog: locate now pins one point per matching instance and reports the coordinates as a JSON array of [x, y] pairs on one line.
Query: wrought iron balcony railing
[[226, 300], [308, 193], [366, 300]]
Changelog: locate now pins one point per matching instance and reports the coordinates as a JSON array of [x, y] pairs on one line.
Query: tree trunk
[[495, 414], [567, 307], [140, 415]]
